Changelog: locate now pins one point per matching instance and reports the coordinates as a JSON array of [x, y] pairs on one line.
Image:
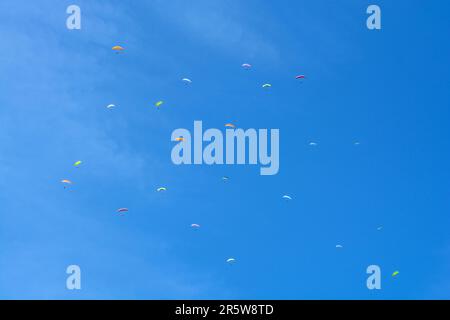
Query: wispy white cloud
[[220, 25], [48, 119]]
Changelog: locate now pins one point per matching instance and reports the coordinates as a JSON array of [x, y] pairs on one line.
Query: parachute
[[161, 189], [287, 197], [246, 65], [110, 106], [266, 85], [230, 125], [159, 103], [76, 164], [187, 80], [231, 260], [118, 48], [122, 211]]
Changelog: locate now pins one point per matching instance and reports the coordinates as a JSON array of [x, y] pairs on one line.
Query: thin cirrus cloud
[[221, 26]]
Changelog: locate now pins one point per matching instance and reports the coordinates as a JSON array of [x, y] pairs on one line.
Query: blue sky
[[387, 89]]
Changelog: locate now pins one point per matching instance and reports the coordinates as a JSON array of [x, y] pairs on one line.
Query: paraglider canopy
[[230, 125], [110, 106], [300, 76], [266, 85], [246, 65], [159, 103], [118, 48], [76, 164], [121, 211], [161, 189], [395, 273], [187, 80], [231, 260], [66, 181], [194, 225], [286, 197]]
